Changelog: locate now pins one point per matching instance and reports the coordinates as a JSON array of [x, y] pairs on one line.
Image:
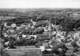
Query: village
[[44, 33]]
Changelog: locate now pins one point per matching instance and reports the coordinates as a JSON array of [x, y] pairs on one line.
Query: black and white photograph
[[39, 27]]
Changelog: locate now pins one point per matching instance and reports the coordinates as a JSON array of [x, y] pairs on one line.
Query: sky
[[39, 3]]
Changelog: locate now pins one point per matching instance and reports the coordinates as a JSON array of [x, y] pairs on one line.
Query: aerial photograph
[[39, 28]]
